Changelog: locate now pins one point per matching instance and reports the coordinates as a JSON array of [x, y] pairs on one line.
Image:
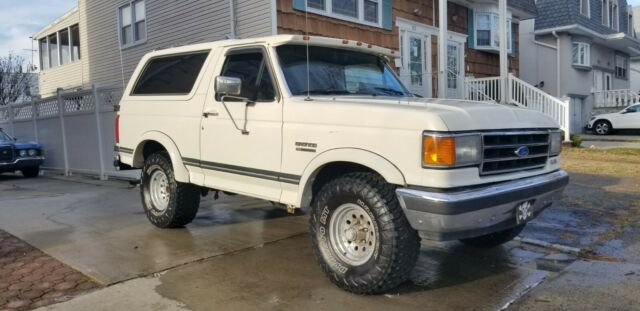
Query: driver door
[[244, 162]]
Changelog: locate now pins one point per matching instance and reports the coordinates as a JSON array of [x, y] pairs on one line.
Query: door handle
[[210, 112]]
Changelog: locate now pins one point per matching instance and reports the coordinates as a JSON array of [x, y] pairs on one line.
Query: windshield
[[4, 137], [335, 71]]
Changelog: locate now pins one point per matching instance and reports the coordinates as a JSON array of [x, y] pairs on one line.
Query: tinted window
[[170, 75], [253, 70]]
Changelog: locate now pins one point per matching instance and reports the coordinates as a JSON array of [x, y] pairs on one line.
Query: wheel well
[[329, 172], [604, 120], [148, 148]]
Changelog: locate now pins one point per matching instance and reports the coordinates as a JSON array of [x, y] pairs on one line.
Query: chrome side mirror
[[228, 86]]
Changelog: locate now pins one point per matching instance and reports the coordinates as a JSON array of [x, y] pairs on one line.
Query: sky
[[19, 19]]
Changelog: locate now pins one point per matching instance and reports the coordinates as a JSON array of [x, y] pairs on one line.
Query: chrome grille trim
[[498, 151]]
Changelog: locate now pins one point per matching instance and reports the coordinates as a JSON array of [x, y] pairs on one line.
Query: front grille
[[500, 156], [6, 154]]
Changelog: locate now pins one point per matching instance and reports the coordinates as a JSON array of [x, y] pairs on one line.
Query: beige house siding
[[67, 76]]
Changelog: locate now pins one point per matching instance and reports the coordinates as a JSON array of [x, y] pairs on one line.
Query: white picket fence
[[75, 128], [615, 98], [521, 94]]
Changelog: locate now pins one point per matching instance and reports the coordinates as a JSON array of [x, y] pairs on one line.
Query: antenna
[[307, 38]]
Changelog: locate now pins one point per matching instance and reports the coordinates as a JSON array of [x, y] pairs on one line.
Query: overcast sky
[[20, 19]]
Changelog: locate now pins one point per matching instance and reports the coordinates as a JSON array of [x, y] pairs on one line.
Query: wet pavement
[[242, 253]]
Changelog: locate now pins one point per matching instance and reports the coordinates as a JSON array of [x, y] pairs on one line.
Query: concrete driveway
[[242, 253]]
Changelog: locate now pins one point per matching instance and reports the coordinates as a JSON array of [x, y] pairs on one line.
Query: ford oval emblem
[[522, 151]]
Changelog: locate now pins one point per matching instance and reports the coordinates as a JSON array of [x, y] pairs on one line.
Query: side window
[[252, 69], [170, 75]]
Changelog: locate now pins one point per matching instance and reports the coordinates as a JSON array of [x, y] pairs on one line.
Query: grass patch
[[619, 162]]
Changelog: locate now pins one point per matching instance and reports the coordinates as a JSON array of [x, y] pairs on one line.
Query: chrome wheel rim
[[159, 190], [352, 234], [602, 128]]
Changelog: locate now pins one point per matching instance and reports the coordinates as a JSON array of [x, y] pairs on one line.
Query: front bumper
[[21, 163], [453, 215]]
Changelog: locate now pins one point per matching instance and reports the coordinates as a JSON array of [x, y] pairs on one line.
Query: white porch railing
[[521, 94], [482, 89], [615, 98]]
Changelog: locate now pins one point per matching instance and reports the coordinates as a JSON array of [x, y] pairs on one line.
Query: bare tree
[[15, 80]]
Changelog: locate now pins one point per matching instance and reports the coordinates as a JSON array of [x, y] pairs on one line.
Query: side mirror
[[228, 86]]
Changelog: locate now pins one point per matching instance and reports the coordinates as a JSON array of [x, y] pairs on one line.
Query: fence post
[[96, 104], [34, 120], [62, 131], [567, 119]]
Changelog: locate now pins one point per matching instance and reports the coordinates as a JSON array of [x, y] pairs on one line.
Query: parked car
[[627, 119], [25, 157], [326, 124]]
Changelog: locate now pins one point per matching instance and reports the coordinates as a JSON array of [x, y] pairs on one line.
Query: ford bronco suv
[[326, 124]]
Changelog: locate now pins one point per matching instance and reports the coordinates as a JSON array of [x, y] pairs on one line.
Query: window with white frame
[[60, 48], [610, 14], [622, 63], [581, 54], [487, 31], [585, 7], [361, 11], [132, 18]]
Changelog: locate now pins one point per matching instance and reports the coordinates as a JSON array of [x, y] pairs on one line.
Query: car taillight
[[117, 128]]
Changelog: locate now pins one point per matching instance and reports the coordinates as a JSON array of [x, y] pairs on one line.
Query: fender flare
[[373, 161], [179, 169]]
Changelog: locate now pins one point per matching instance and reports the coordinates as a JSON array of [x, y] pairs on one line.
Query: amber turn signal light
[[438, 151]]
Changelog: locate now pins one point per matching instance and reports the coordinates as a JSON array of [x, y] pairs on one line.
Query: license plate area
[[524, 212]]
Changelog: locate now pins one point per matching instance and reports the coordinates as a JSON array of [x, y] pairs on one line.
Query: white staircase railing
[[482, 89], [615, 98], [521, 94]]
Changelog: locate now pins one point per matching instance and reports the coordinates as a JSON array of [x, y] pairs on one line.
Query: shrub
[[576, 140]]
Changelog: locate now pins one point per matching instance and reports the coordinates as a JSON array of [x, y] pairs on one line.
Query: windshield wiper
[[389, 91], [327, 92]]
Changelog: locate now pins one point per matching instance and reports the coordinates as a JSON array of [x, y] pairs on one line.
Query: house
[[100, 42], [581, 50], [635, 61]]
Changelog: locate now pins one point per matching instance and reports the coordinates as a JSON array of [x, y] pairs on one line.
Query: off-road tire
[[31, 172], [397, 244], [603, 122], [184, 199], [494, 239]]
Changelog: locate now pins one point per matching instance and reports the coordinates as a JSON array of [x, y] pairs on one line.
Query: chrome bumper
[[452, 215], [21, 163]]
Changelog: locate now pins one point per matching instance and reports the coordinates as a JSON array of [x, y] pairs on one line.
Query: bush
[[576, 140]]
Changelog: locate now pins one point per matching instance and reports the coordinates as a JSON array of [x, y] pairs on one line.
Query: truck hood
[[438, 114], [469, 115]]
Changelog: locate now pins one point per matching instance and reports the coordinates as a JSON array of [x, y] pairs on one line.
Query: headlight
[[22, 153], [439, 150], [555, 143], [33, 152]]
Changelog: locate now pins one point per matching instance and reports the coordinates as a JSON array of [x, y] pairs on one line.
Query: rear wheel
[[167, 203], [31, 172], [602, 127], [494, 239], [361, 237]]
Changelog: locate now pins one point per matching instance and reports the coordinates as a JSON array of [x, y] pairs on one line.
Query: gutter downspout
[[232, 17], [555, 34]]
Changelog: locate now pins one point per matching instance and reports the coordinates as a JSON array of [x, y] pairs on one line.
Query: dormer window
[[610, 14]]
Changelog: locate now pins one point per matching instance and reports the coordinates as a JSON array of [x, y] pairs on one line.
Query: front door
[[454, 69], [576, 122], [241, 144], [416, 64]]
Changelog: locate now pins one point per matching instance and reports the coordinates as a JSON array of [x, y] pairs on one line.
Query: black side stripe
[[245, 171]]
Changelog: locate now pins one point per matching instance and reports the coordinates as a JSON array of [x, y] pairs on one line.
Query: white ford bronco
[[326, 124]]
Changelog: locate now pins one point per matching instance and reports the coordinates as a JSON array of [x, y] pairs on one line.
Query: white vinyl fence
[[75, 128]]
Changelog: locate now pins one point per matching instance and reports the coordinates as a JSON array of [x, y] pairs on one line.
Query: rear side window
[[170, 75]]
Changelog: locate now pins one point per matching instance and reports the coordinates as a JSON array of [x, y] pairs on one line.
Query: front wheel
[[167, 203], [361, 237], [602, 127], [31, 172]]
